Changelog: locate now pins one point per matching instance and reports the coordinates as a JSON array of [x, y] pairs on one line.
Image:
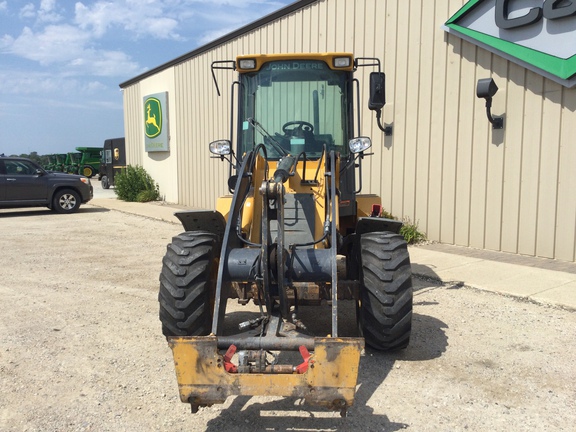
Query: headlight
[[221, 147], [342, 62], [85, 180], [247, 64], [360, 144]]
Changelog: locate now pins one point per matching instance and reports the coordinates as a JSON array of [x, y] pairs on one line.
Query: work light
[[342, 62], [220, 147], [247, 64], [360, 144]]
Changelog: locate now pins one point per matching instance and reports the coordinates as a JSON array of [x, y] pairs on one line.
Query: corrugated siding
[[133, 125], [444, 167]]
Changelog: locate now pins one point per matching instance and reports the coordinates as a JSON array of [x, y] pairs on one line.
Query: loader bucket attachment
[[327, 376]]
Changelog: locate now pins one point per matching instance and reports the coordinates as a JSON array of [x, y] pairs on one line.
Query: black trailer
[[113, 161]]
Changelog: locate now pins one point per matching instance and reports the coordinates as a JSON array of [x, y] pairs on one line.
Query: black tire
[[105, 183], [66, 201], [187, 284], [385, 310]]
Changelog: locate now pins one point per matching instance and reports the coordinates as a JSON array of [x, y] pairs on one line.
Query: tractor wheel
[[105, 183], [385, 309], [187, 284], [87, 171], [66, 201]]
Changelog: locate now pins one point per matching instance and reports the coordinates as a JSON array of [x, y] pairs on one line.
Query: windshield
[[294, 106]]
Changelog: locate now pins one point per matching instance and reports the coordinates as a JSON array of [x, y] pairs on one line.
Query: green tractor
[[51, 163], [60, 162], [72, 163], [89, 163]]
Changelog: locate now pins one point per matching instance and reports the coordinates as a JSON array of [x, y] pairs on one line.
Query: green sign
[[537, 34], [153, 116], [156, 122]]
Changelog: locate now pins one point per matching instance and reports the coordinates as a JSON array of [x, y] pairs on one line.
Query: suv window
[[14, 167]]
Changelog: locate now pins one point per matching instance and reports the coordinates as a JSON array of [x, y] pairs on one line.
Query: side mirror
[[378, 99], [377, 91]]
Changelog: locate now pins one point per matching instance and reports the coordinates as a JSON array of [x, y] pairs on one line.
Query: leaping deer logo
[[153, 118]]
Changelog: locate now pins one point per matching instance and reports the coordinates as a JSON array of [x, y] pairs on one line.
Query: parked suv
[[23, 183]]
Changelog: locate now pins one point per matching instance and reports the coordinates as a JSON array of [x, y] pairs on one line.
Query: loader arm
[[211, 368]]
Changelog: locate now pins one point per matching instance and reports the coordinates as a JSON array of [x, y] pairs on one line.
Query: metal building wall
[[444, 167], [133, 125]]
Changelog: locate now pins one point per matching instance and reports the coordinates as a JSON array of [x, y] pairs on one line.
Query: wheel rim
[[88, 172], [67, 201]]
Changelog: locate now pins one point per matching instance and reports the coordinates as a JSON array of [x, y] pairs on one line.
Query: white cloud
[[6, 42], [28, 11], [208, 37], [3, 5], [241, 3], [40, 83], [103, 63], [142, 19], [95, 32], [54, 44], [70, 48], [224, 16], [48, 13]]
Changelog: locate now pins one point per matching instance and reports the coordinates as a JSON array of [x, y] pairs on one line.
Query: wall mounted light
[[486, 89]]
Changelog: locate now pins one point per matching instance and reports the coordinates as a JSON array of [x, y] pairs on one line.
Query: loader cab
[[295, 105], [304, 105]]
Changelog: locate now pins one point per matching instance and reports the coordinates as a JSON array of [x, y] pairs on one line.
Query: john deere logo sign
[[538, 34], [156, 122], [153, 115]]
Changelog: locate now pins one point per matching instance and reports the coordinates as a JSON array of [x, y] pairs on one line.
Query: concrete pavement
[[541, 280]]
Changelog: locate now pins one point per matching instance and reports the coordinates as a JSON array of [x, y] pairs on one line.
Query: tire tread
[[185, 284], [386, 294]]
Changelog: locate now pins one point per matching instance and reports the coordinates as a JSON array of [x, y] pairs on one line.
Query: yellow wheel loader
[[294, 233]]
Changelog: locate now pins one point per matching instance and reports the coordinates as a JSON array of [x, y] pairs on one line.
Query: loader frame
[[245, 251]]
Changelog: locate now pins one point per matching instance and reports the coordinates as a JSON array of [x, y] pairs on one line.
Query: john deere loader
[[295, 232]]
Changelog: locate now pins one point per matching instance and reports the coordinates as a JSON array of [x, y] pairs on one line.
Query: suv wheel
[[66, 201]]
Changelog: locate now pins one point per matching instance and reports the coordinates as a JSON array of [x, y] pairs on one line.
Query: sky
[[61, 61]]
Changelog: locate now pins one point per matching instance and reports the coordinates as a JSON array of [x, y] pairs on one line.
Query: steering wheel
[[300, 124]]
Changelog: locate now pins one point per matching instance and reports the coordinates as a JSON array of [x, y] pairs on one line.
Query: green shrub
[[386, 214], [411, 233], [409, 229], [135, 184]]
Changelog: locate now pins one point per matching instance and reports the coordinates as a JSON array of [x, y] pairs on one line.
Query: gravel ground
[[81, 347]]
